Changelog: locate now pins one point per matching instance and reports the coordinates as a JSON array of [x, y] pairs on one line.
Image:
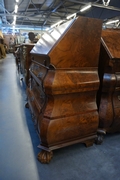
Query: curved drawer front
[[38, 71]]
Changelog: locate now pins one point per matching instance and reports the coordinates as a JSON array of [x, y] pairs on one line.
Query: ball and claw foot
[[99, 139], [100, 136], [45, 156]]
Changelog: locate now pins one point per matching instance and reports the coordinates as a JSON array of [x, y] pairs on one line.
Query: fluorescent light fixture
[[17, 0], [70, 16], [112, 21], [14, 18], [14, 22], [84, 8], [16, 8], [56, 24]]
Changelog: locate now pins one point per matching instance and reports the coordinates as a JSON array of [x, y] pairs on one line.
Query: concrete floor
[[19, 141]]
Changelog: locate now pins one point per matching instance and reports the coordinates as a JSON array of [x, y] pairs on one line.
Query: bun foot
[[89, 142], [45, 156]]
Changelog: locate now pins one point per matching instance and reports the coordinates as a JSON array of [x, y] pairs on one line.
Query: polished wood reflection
[[63, 85], [109, 72]]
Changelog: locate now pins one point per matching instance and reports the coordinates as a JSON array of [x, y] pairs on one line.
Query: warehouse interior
[[46, 79], [19, 142], [43, 14]]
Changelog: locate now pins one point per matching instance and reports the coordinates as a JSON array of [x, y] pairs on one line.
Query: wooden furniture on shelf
[[25, 60], [63, 85], [108, 98]]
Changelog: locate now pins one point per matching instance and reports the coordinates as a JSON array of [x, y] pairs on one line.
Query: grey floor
[[19, 141]]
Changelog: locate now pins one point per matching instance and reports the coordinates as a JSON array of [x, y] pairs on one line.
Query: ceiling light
[[16, 8], [17, 0], [112, 21], [14, 18], [14, 22], [84, 8], [70, 16]]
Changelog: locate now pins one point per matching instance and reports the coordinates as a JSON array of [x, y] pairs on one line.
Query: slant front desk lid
[[49, 38], [73, 44], [111, 41]]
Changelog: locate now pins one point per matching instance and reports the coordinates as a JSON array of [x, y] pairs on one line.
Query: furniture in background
[[63, 85], [7, 40], [108, 97], [24, 59]]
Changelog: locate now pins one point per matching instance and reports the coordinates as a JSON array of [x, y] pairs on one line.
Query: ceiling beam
[[97, 5]]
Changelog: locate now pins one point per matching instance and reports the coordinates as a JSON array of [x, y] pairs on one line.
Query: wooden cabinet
[[109, 73], [25, 60], [63, 85]]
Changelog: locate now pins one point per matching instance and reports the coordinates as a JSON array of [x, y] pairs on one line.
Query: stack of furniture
[[108, 98], [63, 85]]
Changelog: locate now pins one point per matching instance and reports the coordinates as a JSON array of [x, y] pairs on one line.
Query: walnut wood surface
[[110, 41], [78, 43], [109, 73], [79, 49], [49, 39], [63, 86]]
